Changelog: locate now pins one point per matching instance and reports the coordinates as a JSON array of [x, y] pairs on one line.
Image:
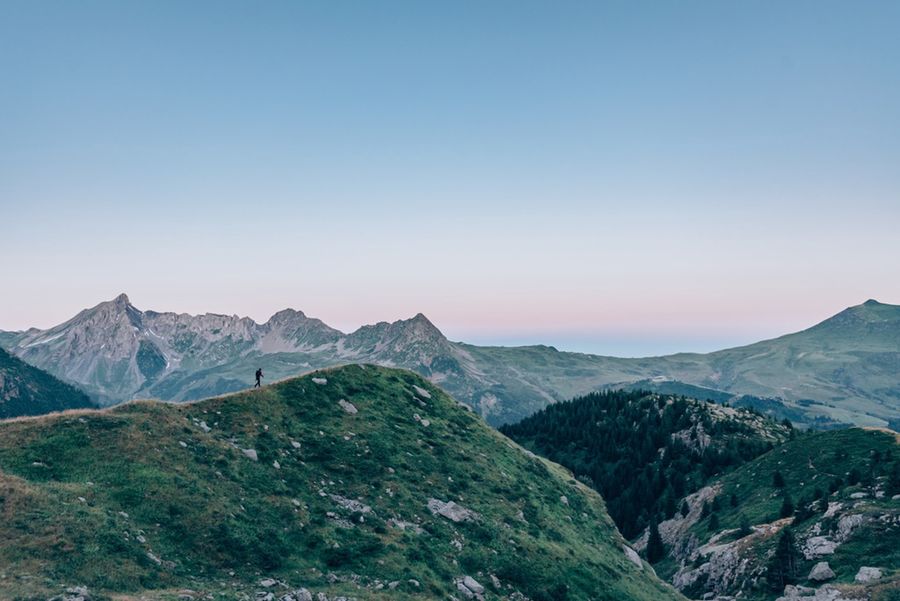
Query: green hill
[[27, 390], [361, 481], [832, 490]]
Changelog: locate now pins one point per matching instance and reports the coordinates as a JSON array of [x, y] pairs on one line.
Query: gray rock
[[473, 585], [320, 382], [821, 572], [867, 575], [268, 582], [251, 453], [817, 546], [451, 511], [348, 407], [633, 557], [422, 392]]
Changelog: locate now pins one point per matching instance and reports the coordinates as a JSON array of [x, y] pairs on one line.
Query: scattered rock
[[859, 495], [564, 500], [276, 465], [205, 427], [351, 504], [419, 419], [268, 582], [473, 585], [867, 575], [154, 558], [422, 392], [817, 546], [633, 557], [320, 382], [451, 511], [348, 407], [251, 453], [821, 572]]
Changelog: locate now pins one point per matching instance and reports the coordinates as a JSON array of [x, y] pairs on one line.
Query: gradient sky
[[620, 177]]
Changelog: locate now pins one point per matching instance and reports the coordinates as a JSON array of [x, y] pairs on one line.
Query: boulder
[[817, 546], [251, 453], [348, 407], [633, 557], [422, 392], [451, 511], [473, 585], [867, 575], [821, 572], [320, 382]]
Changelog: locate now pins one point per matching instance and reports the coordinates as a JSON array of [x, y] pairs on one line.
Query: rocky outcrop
[[821, 572]]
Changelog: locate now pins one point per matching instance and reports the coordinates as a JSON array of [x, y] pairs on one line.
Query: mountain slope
[[359, 481], [645, 451], [843, 370], [27, 390], [843, 507]]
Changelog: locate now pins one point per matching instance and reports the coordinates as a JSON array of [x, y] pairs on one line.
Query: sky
[[628, 178]]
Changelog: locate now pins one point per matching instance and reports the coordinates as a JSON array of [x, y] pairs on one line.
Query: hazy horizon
[[617, 178]]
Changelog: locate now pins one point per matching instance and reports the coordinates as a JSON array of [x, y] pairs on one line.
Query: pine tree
[[744, 528], [783, 567], [777, 479], [713, 523], [656, 550], [704, 513], [685, 510], [733, 500], [787, 507]]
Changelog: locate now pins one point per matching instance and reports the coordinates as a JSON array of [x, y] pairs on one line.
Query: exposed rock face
[[821, 572], [818, 546]]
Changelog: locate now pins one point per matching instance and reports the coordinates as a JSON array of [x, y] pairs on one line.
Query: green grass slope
[[290, 483], [840, 484], [27, 390]]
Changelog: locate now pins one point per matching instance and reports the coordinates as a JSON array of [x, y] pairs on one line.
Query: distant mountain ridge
[[845, 369]]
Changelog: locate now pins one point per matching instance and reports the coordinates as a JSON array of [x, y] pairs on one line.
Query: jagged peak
[[287, 314]]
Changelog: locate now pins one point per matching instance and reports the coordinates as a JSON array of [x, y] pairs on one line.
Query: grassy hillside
[[839, 487], [27, 390], [329, 482]]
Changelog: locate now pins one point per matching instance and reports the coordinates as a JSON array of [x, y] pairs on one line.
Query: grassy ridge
[[151, 497]]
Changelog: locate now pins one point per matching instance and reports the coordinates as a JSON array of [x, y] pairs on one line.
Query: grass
[[141, 500]]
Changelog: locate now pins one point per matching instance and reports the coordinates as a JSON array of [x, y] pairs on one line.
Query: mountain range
[[845, 369]]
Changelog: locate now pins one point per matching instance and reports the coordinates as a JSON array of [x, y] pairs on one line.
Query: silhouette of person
[[259, 376]]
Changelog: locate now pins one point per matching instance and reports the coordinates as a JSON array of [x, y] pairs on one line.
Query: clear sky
[[623, 177]]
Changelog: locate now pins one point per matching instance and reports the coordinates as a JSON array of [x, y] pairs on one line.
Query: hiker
[[259, 376]]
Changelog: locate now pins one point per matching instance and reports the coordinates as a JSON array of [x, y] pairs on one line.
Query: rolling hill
[[357, 482], [845, 370]]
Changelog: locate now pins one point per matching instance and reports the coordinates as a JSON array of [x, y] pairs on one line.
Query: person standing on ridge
[[259, 376]]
